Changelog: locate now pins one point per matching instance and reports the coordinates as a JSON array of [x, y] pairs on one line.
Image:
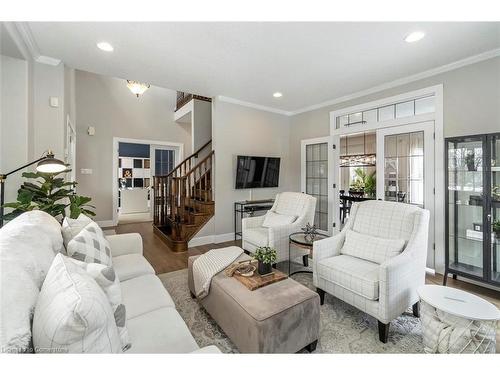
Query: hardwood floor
[[164, 260]]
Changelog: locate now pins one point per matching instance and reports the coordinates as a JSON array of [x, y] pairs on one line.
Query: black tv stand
[[248, 209]]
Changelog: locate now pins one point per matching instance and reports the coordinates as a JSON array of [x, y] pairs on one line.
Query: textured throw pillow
[[273, 219], [107, 279], [374, 249], [72, 314], [90, 245], [71, 227]]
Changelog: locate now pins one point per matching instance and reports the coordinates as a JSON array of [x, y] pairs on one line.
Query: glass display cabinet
[[473, 207]]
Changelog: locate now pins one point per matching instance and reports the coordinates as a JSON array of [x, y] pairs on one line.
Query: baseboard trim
[[212, 239], [106, 223]]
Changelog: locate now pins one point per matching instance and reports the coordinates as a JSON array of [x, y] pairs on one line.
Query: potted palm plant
[[266, 257]]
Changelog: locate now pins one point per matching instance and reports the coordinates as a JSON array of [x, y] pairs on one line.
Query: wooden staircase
[[183, 200]]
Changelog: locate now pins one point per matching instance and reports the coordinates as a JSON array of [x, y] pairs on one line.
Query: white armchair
[[384, 290], [254, 235]]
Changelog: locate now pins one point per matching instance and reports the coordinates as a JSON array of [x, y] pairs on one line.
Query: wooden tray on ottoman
[[257, 281]]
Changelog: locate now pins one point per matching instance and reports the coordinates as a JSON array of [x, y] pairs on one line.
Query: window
[[408, 108], [164, 162]]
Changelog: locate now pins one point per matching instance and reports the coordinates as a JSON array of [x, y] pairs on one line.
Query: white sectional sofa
[[27, 246]]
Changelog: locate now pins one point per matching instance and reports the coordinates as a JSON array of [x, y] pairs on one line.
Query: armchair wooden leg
[[383, 331], [312, 346], [416, 309], [321, 293]]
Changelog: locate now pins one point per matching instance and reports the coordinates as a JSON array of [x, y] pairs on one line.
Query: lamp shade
[[50, 165]]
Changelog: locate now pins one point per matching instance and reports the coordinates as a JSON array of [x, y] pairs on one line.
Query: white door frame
[[437, 117], [331, 172], [114, 175], [429, 176]]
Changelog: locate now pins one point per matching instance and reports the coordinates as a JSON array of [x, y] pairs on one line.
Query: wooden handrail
[[209, 156], [185, 161]]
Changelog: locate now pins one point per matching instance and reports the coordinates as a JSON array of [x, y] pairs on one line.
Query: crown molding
[[31, 46], [402, 81], [228, 99]]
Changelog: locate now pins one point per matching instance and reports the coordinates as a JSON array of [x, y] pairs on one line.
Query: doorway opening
[[136, 162]]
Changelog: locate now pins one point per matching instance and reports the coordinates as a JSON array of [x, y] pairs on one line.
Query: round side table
[[454, 321], [305, 242]]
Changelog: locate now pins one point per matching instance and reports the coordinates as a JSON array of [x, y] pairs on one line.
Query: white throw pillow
[[91, 246], [374, 249], [72, 314], [107, 279], [71, 227], [273, 219]]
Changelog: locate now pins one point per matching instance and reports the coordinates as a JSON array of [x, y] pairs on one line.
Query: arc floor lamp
[[46, 164]]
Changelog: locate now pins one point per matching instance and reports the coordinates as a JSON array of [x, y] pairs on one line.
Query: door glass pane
[[390, 146], [465, 239], [404, 172], [317, 181], [495, 209], [417, 143]]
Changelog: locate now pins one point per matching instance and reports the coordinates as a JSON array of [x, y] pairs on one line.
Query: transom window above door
[[409, 108]]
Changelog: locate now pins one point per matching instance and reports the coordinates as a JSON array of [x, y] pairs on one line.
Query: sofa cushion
[[73, 315], [273, 219], [143, 294], [160, 331], [357, 275], [28, 245], [131, 265], [374, 249], [257, 236], [71, 227], [90, 245]]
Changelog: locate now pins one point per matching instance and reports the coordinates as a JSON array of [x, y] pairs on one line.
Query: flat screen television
[[257, 172]]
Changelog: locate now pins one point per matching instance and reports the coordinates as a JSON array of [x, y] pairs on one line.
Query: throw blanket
[[210, 264]]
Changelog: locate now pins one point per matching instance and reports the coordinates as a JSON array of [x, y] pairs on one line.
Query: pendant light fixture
[[137, 88]]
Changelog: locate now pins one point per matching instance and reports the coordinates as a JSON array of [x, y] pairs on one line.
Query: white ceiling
[[308, 62]]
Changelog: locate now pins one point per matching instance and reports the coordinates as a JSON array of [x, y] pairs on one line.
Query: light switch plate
[[86, 171], [54, 101]]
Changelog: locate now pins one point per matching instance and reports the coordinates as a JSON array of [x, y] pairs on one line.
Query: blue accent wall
[[133, 150]]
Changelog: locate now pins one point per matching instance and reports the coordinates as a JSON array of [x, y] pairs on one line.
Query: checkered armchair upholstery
[[384, 290], [289, 203]]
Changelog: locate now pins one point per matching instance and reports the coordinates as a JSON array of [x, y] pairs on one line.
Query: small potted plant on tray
[[266, 256]]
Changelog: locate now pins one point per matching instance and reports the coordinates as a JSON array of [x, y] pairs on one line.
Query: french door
[[317, 176], [405, 169]]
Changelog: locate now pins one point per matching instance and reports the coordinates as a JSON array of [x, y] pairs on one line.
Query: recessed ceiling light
[[277, 94], [105, 46], [414, 36]]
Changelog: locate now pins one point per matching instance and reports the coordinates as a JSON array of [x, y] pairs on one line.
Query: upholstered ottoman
[[279, 318]]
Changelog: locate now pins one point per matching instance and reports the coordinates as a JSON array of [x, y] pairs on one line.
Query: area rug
[[343, 328]]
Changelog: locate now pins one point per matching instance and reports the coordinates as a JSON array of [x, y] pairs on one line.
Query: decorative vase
[[264, 268]]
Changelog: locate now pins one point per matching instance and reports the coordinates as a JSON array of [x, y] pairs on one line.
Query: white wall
[[201, 120], [238, 130], [108, 105], [48, 122], [14, 121]]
